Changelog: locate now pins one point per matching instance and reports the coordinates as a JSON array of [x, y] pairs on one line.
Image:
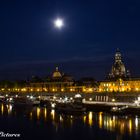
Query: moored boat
[[73, 107]]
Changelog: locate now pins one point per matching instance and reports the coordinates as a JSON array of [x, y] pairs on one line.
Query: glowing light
[[90, 89], [23, 89], [84, 119], [78, 96], [53, 114], [31, 115], [2, 109], [136, 122], [53, 105], [113, 100], [130, 126], [137, 89], [9, 107], [45, 113], [90, 99], [28, 96], [90, 118], [59, 23], [2, 89], [100, 120], [38, 113], [71, 89], [136, 102], [31, 97], [62, 89], [61, 119], [71, 98]]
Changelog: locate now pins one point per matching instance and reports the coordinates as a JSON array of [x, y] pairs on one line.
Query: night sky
[[85, 46]]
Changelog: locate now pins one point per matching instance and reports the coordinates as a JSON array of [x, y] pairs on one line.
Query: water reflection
[[9, 108], [118, 124], [100, 120]]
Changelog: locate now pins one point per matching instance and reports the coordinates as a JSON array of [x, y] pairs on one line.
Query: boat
[[133, 108], [23, 100], [72, 107]]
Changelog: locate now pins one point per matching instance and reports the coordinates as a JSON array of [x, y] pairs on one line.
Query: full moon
[[58, 23]]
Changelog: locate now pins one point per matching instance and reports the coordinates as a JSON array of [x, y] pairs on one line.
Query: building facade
[[59, 82], [119, 80], [120, 85]]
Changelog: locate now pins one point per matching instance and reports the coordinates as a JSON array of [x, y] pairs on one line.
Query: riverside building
[[59, 82], [119, 79]]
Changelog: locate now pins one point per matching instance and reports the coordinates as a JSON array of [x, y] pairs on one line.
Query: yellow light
[[2, 109], [45, 113], [31, 115], [113, 100], [90, 118], [137, 89], [90, 99], [71, 89], [61, 119], [9, 108], [23, 89], [90, 89], [2, 89], [122, 89], [62, 89], [84, 89], [100, 120], [84, 119], [130, 126], [38, 113], [45, 89], [53, 114]]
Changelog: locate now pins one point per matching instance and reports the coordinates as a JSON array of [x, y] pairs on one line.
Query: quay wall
[[95, 96]]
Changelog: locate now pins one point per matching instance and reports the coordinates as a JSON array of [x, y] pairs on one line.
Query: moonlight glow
[[58, 23]]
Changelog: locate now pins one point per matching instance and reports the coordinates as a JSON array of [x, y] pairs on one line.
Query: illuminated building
[[120, 85], [119, 80], [59, 82], [118, 69], [56, 83]]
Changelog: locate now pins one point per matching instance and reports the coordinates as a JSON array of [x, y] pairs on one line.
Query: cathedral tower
[[118, 69]]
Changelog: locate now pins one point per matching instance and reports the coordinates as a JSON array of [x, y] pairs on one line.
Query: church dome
[[118, 69], [56, 74]]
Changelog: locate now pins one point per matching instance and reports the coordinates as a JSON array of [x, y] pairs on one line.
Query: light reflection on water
[[112, 123]]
